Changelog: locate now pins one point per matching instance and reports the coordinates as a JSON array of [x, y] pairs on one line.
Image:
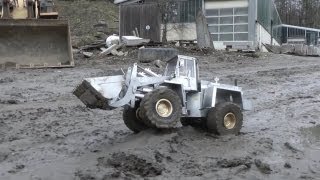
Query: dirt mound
[[228, 163], [132, 163], [6, 80], [262, 166]]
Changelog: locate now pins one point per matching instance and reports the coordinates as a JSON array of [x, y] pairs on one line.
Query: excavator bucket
[[35, 43]]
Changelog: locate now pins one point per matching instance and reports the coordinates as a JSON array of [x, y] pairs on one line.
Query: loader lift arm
[[107, 91]]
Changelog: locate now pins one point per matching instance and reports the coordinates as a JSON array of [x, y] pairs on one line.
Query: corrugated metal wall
[[146, 18], [269, 18]]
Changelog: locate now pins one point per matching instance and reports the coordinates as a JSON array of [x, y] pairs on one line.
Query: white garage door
[[227, 20]]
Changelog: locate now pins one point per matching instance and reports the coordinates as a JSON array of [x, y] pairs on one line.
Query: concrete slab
[[87, 54], [287, 49], [300, 50], [147, 55], [134, 41], [313, 51]]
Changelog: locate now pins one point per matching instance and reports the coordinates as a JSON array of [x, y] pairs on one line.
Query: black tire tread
[[131, 121], [216, 115], [152, 118]]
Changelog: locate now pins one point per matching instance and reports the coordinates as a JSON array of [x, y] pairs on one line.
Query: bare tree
[[300, 12]]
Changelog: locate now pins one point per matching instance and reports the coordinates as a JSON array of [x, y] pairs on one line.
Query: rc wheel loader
[[162, 101]]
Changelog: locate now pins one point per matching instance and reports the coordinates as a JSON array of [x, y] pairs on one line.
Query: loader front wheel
[[226, 118], [161, 108], [132, 119]]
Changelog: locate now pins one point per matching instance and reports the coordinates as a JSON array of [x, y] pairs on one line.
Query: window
[[186, 68], [241, 36], [212, 12], [213, 29], [228, 24], [226, 28], [226, 37], [241, 11], [183, 68], [190, 67], [226, 12], [171, 67]]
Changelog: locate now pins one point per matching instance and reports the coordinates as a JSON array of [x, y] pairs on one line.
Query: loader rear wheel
[[226, 118], [161, 108], [132, 119]]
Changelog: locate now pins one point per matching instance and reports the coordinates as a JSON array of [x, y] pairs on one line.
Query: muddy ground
[[47, 133]]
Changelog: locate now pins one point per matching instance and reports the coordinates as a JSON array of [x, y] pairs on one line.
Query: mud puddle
[[312, 136]]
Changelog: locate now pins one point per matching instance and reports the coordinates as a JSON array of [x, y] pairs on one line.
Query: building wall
[[236, 23], [268, 17], [143, 18], [180, 31], [181, 18], [264, 37]]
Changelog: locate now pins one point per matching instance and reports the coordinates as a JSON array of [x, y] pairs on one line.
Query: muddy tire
[[226, 118], [142, 114], [132, 120], [161, 108]]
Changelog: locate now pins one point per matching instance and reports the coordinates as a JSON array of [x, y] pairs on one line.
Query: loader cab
[[184, 69]]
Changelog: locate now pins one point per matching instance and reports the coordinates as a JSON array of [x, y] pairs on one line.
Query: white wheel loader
[[161, 101]]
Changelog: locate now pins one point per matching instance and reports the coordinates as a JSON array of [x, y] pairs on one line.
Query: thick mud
[[47, 133]]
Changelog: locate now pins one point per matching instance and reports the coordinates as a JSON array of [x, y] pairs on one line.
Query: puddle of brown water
[[315, 131], [312, 135]]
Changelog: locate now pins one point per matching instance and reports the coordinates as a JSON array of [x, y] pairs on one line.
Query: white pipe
[[146, 90], [139, 96], [151, 73]]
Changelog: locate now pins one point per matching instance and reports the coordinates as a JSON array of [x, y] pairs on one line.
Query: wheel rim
[[164, 108], [230, 121]]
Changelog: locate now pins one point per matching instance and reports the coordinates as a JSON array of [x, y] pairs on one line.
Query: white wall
[[225, 4], [263, 37], [219, 45], [180, 31]]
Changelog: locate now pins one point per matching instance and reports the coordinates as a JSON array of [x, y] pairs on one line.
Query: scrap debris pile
[[295, 49], [112, 46]]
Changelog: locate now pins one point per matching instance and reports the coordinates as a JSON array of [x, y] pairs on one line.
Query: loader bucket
[[100, 92], [35, 43]]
